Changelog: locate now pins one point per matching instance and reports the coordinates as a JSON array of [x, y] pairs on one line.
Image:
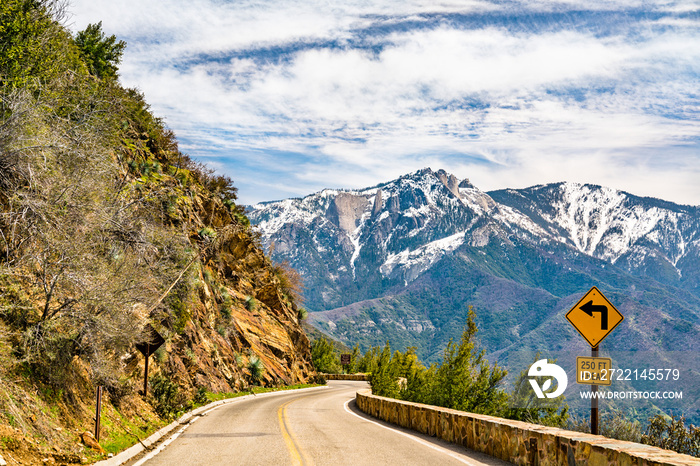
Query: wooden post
[[594, 399], [145, 372], [98, 413]]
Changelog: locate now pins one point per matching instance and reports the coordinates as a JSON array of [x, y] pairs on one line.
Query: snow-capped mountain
[[396, 229], [404, 258], [645, 236], [400, 229]]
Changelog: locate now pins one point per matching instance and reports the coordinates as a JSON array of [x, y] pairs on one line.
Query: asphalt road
[[320, 426]]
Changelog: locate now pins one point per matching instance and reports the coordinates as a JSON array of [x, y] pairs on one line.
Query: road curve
[[315, 427]]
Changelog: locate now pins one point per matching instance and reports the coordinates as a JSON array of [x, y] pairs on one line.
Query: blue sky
[[290, 97]]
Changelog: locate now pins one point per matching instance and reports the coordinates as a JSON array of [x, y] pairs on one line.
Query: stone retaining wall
[[515, 441], [362, 377]]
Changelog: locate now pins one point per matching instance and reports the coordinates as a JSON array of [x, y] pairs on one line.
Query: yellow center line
[[298, 457]]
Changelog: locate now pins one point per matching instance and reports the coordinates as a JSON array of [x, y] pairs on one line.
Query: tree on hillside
[[384, 379], [354, 360], [324, 357], [368, 362], [101, 54], [464, 380], [408, 362], [34, 48]]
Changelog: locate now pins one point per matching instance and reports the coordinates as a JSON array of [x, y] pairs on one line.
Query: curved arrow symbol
[[589, 308]]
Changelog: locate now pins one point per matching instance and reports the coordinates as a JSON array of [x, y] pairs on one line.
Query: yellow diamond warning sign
[[594, 317]]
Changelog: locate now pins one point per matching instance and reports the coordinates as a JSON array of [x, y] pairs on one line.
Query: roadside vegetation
[[465, 381]]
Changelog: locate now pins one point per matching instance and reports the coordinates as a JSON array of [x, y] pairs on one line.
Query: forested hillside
[[107, 227]]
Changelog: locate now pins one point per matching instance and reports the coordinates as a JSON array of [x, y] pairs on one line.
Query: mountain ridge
[[371, 271], [508, 207]]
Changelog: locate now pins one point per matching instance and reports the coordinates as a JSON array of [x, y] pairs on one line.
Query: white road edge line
[[412, 437], [162, 446]]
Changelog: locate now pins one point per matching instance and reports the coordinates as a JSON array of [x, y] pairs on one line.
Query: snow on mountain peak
[[404, 226], [419, 260], [606, 223]]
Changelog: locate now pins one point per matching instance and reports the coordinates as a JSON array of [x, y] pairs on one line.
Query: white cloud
[[532, 105]]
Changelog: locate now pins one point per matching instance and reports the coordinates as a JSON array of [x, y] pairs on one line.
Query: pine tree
[[100, 53]]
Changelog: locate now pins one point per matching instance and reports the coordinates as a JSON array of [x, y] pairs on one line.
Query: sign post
[[595, 418], [98, 411], [153, 341], [594, 317]]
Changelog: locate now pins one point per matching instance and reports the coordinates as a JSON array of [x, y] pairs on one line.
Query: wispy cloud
[[291, 97]]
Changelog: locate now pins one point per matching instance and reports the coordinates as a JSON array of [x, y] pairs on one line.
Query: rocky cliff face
[[239, 311], [234, 306]]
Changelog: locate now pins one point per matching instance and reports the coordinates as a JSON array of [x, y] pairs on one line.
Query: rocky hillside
[[107, 230]]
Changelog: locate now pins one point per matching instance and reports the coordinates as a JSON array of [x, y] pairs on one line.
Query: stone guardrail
[[362, 377], [515, 441]]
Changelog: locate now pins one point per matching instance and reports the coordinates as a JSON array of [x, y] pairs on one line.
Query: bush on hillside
[[672, 434], [256, 368], [165, 396]]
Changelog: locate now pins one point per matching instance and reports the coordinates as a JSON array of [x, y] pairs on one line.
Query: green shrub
[[672, 434], [200, 397], [256, 368], [226, 303], [191, 355], [578, 424], [613, 424], [207, 233], [225, 296], [181, 314], [324, 357], [160, 354], [384, 380], [302, 313], [208, 276], [100, 53], [242, 219], [164, 396], [368, 362], [250, 303], [619, 426]]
